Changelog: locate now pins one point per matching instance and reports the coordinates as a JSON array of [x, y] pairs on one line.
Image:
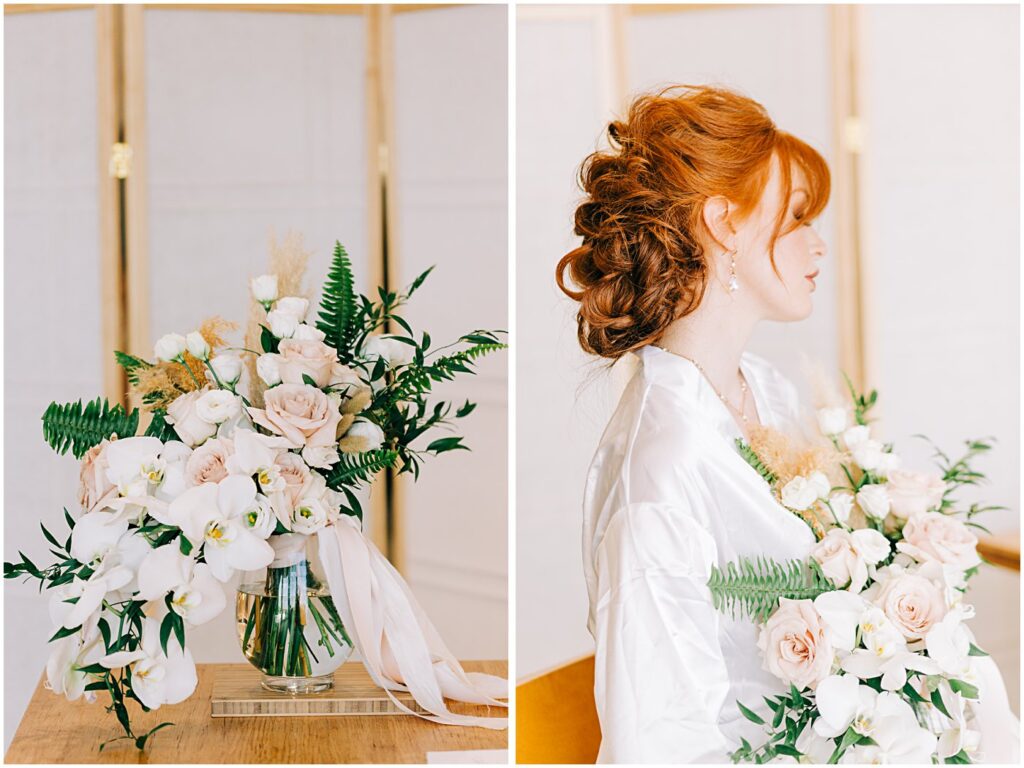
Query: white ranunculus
[[218, 405], [820, 483], [282, 324], [227, 366], [874, 500], [308, 332], [157, 678], [195, 594], [268, 367], [832, 421], [393, 351], [260, 517], [211, 515], [296, 306], [188, 424], [841, 503], [799, 494], [197, 345], [309, 516], [362, 436], [169, 347], [264, 288], [867, 454]]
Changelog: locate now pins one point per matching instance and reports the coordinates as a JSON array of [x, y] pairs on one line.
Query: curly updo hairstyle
[[641, 264]]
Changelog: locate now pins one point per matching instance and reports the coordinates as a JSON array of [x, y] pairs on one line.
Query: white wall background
[[941, 220], [51, 301], [256, 122]]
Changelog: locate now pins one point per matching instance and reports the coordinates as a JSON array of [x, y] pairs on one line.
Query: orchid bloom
[[157, 678], [957, 736], [67, 657], [212, 514], [195, 594], [949, 644], [256, 454]]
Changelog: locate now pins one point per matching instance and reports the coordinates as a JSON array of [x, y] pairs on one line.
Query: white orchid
[[96, 534], [256, 454], [88, 595], [195, 594], [144, 466], [212, 514], [841, 611], [67, 658], [949, 645], [887, 655], [958, 736], [157, 678]]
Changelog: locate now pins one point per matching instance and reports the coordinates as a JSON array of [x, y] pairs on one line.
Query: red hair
[[641, 264]]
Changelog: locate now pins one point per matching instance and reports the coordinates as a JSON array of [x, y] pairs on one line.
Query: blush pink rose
[[94, 488], [301, 414], [305, 356], [911, 493], [934, 536], [208, 462], [912, 603], [795, 646]]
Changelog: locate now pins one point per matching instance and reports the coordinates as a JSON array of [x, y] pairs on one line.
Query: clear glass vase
[[288, 625]]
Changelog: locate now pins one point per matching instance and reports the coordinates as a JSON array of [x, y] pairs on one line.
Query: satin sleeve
[[660, 676]]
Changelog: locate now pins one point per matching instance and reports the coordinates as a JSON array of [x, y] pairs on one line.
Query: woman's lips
[[811, 278]]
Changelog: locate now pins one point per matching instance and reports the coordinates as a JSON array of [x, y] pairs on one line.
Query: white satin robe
[[667, 495]]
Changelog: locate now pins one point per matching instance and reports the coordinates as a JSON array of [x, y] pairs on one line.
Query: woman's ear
[[717, 212]]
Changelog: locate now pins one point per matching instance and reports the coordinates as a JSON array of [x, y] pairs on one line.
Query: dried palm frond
[[212, 329]]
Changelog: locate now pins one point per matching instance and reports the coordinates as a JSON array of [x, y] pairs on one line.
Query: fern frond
[[753, 587], [356, 468], [420, 378], [131, 363], [755, 461], [80, 428], [159, 427], [339, 306]]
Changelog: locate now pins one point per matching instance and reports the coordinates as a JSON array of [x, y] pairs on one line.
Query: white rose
[[844, 557], [362, 436], [228, 367], [218, 405], [282, 324], [799, 494], [855, 435], [867, 454], [268, 367], [887, 464], [832, 421], [190, 426], [169, 347], [874, 500], [305, 332], [197, 345], [295, 306], [913, 493], [841, 504], [392, 350], [264, 288], [322, 457], [820, 483]]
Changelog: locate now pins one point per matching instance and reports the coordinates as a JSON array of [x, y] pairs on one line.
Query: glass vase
[[288, 625]]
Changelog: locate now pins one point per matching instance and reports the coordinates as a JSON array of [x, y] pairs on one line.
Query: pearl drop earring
[[734, 284]]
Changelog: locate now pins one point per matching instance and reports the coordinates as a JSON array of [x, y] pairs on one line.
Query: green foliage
[[80, 428], [755, 461], [959, 473], [159, 428], [131, 364], [339, 309], [861, 403], [357, 468], [753, 587], [790, 714]]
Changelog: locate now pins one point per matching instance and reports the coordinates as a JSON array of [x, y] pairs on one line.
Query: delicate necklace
[[742, 410]]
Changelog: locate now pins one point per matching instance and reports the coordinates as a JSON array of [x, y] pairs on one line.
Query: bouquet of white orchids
[[227, 478], [868, 633]]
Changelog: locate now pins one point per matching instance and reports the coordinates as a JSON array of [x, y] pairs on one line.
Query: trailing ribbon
[[399, 645]]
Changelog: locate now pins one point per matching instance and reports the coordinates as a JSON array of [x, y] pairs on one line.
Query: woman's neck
[[714, 335]]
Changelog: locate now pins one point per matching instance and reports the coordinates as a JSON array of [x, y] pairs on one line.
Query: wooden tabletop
[[55, 730]]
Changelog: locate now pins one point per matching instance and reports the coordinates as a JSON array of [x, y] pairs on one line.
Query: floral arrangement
[[868, 633], [225, 478]]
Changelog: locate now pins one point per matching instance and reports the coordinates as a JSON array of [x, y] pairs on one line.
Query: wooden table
[[55, 730]]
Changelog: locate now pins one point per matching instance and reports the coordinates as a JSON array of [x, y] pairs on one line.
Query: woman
[[696, 226]]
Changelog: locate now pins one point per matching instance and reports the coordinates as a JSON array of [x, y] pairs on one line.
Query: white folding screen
[[450, 181], [942, 240], [788, 71], [51, 301], [255, 123]]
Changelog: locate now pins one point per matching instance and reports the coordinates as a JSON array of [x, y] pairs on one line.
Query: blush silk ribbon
[[399, 645]]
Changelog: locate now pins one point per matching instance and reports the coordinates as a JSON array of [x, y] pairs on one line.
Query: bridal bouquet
[[868, 633], [228, 479]]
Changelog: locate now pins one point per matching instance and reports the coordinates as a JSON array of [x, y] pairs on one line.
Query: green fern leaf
[[356, 468], [419, 379], [752, 588], [80, 428], [131, 364], [159, 427], [755, 461], [339, 306]]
